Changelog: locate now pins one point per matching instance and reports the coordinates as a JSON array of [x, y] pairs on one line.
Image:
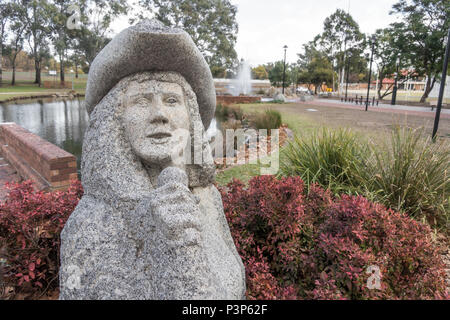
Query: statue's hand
[[175, 209]]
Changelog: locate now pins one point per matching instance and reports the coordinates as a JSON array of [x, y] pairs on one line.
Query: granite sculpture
[[150, 224]]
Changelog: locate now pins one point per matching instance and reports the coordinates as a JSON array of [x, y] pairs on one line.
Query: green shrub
[[270, 119], [410, 173], [236, 112], [260, 91], [335, 159], [222, 111]]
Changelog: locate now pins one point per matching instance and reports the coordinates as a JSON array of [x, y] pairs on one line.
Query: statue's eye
[[141, 101], [171, 100]]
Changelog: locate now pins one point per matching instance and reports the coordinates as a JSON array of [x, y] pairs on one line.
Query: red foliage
[[30, 224], [300, 245]]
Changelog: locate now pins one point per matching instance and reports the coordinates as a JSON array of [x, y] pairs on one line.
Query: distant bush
[[30, 225], [334, 159], [236, 113], [299, 244], [224, 112], [270, 119], [261, 91]]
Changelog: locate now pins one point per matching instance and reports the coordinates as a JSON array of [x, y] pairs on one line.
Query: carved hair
[[111, 171]]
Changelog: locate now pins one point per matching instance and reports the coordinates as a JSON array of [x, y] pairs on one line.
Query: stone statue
[[150, 224]]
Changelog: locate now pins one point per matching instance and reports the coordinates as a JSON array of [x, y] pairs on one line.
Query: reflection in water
[[60, 122]]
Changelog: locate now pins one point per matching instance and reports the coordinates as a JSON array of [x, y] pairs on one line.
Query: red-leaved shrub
[[308, 245], [30, 226]]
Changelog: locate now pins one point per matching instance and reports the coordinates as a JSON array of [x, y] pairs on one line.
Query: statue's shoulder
[[89, 214], [209, 194]]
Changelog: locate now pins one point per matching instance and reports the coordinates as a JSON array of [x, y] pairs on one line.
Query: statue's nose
[[157, 114]]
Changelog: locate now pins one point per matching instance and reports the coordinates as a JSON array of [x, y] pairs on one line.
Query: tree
[[420, 36], [314, 67], [276, 75], [218, 72], [294, 74], [36, 15], [60, 34], [77, 62], [385, 56], [89, 44], [340, 32], [211, 24], [260, 73], [96, 19], [17, 29], [89, 37], [5, 16]]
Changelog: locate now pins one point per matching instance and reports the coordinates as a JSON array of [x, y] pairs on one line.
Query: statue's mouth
[[160, 135]]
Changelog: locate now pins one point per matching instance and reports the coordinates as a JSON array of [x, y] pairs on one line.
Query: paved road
[[424, 111]]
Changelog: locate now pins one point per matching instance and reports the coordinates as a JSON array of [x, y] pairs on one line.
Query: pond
[[61, 122]]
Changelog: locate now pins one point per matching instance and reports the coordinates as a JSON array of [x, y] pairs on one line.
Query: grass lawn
[[26, 88], [243, 172]]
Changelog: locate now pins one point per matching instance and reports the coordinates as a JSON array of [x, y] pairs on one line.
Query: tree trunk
[[37, 68], [429, 86], [341, 82], [1, 54], [1, 65], [332, 69], [381, 76], [379, 89], [13, 81], [61, 67], [61, 71]]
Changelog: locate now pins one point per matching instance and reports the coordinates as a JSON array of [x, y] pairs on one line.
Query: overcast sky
[[265, 26]]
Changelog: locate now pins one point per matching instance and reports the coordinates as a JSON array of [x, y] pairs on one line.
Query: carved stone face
[[155, 120]]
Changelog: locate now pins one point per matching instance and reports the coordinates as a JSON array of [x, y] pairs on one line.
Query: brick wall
[[49, 166], [227, 100]]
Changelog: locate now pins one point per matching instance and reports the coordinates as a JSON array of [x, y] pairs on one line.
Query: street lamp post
[[284, 66], [442, 87], [370, 72], [394, 91]]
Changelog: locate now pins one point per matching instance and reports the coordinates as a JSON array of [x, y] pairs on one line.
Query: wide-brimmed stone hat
[[151, 46]]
